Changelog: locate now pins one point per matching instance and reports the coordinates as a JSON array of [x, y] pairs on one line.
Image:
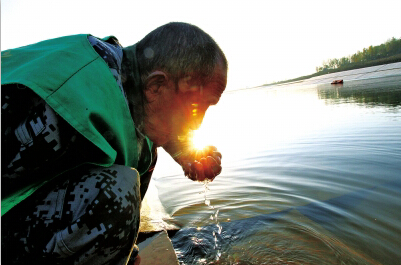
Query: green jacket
[[77, 83]]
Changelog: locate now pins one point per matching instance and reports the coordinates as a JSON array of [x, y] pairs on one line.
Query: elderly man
[[81, 120]]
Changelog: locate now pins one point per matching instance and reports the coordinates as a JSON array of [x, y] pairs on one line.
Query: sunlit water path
[[311, 175]]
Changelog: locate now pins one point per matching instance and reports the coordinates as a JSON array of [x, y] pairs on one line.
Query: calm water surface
[[312, 175]]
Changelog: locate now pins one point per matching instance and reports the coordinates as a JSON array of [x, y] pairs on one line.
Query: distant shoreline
[[392, 59]]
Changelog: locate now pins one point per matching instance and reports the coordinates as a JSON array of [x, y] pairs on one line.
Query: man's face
[[181, 107]]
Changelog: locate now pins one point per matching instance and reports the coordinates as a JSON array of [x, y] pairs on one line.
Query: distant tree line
[[388, 52], [373, 53]]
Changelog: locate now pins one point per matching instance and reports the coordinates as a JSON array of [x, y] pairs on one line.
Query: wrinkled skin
[[174, 109]]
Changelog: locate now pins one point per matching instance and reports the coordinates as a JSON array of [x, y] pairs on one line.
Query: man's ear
[[154, 84]]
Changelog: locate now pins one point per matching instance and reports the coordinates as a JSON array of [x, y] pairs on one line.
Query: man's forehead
[[212, 88]]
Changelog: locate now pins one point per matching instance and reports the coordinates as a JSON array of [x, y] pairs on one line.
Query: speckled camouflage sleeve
[[33, 135], [89, 215]]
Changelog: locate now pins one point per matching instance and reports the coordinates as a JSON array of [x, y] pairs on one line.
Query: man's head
[[178, 49], [183, 72]]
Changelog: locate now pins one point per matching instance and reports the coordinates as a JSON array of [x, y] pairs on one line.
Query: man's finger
[[215, 166], [200, 174], [217, 170], [208, 167], [217, 153], [203, 161], [210, 148], [217, 157], [187, 168], [191, 173]]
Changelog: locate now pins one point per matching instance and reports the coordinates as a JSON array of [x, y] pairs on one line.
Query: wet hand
[[202, 164]]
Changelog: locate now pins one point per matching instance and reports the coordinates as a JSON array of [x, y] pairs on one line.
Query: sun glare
[[199, 140]]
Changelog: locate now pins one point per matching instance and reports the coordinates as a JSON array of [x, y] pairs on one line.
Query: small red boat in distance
[[340, 81]]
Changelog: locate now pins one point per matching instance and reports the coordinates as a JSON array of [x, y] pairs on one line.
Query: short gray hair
[[179, 49]]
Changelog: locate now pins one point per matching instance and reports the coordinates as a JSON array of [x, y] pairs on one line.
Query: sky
[[264, 41]]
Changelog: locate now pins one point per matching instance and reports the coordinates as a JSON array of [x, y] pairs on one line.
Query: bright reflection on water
[[311, 175]]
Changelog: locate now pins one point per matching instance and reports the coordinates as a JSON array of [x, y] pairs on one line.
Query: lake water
[[311, 175]]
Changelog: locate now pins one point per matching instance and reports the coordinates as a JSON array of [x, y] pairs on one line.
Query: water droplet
[[217, 212]]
